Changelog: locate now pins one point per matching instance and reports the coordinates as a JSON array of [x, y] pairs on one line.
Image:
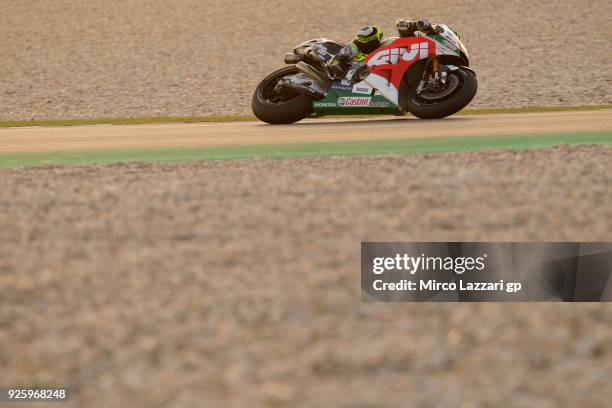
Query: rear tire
[[295, 108], [459, 100]]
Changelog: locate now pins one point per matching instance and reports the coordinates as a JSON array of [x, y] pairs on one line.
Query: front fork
[[435, 67], [432, 76]]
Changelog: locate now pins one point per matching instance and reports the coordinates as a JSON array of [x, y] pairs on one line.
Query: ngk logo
[[394, 55], [348, 101]]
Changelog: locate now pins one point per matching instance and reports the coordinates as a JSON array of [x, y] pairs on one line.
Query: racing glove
[[407, 28]]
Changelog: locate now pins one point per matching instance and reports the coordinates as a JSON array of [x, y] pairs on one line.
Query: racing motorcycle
[[427, 75]]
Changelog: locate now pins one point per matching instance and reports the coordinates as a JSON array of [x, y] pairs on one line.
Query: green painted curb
[[370, 147]]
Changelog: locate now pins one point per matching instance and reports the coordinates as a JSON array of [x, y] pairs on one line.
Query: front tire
[[274, 108], [450, 105]]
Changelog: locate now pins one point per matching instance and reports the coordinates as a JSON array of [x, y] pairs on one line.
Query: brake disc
[[452, 83]]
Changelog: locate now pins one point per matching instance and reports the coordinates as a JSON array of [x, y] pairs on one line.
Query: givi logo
[[394, 55], [348, 101]]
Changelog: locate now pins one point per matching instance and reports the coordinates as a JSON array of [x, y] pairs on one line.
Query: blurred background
[[127, 58]]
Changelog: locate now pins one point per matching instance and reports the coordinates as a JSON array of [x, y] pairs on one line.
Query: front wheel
[[275, 106], [461, 88]]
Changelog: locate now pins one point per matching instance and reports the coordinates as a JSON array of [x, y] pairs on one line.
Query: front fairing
[[447, 42]]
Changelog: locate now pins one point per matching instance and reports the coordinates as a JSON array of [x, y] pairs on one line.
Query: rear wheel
[[275, 106], [460, 88]]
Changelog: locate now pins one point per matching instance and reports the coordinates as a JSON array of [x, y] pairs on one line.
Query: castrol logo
[[353, 102]]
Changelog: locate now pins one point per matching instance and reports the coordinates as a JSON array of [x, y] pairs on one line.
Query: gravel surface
[[119, 58], [237, 283]]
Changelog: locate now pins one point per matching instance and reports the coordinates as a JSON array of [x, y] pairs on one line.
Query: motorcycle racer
[[367, 40], [426, 73]]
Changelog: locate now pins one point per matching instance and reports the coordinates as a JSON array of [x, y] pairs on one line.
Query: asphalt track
[[109, 137]]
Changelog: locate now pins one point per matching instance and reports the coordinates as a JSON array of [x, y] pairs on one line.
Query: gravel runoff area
[[120, 58], [237, 283]]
